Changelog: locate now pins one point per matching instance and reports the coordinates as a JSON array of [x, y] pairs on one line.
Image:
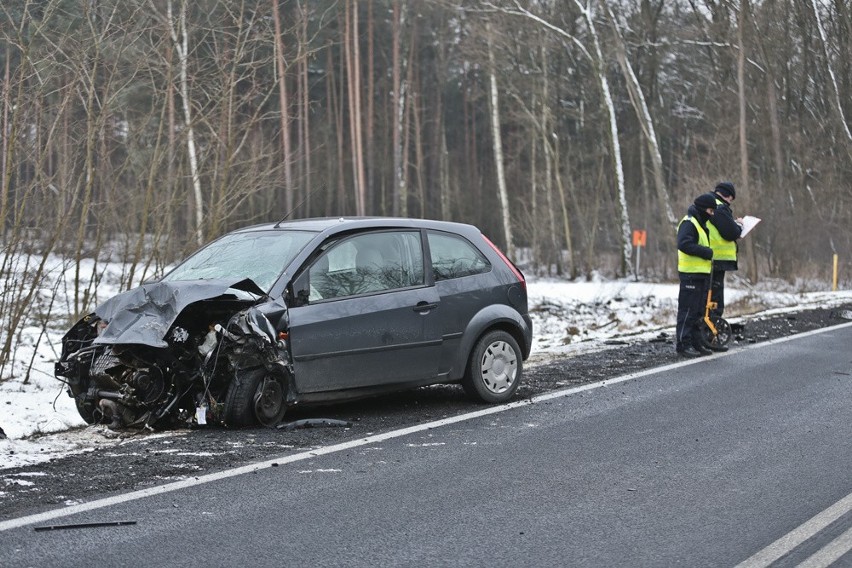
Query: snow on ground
[[41, 422]]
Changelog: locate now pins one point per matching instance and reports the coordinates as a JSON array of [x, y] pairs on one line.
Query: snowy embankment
[[41, 422]]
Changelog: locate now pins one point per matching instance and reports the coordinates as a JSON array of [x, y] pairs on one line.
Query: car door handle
[[424, 307]]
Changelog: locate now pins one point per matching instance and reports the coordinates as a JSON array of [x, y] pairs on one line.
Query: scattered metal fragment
[[314, 423], [662, 337], [84, 525]]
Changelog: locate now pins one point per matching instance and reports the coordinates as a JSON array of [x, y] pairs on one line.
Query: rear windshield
[[259, 255]]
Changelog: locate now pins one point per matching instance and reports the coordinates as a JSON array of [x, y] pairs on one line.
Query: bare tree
[[644, 115], [400, 191], [497, 145], [744, 173], [595, 56], [180, 38], [353, 65], [833, 79], [284, 104]]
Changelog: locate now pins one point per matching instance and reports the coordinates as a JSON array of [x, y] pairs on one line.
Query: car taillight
[[508, 262]]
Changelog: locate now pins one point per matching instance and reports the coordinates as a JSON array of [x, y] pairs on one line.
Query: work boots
[[688, 352], [701, 349]]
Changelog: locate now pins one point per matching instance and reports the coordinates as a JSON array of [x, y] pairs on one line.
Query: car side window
[[455, 257], [367, 263]]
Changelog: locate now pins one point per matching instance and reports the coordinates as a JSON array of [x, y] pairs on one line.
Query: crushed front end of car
[[180, 353]]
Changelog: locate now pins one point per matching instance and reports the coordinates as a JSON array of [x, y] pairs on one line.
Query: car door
[[369, 318], [464, 281]]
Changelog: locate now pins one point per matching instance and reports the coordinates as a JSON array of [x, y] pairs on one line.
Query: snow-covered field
[[41, 422]]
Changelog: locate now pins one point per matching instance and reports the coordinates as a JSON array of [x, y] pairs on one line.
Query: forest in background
[[136, 130]]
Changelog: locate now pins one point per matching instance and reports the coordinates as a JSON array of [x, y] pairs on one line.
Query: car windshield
[[260, 256]]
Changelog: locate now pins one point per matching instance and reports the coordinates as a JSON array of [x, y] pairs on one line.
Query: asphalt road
[[736, 458]]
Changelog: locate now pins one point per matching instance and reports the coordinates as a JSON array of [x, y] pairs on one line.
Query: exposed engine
[[219, 361]]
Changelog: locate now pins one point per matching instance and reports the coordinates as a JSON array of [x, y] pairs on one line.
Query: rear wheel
[[254, 396], [494, 369]]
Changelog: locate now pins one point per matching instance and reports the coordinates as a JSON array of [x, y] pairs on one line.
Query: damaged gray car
[[303, 312]]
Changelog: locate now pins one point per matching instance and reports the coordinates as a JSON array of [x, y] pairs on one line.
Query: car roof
[[332, 225]]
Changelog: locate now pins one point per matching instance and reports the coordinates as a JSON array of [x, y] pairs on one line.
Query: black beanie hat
[[726, 188], [705, 201]]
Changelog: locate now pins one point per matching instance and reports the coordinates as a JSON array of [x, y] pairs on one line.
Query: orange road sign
[[639, 237]]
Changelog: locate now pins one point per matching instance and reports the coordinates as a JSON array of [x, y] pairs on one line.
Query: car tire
[[85, 410], [494, 368], [254, 396]]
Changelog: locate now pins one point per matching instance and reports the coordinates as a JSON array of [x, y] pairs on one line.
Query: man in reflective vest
[[724, 231], [694, 264]]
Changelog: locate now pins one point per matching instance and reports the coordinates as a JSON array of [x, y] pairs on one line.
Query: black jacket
[[687, 235], [729, 229]]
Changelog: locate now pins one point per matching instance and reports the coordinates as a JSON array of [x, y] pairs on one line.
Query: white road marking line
[[830, 553], [802, 533], [281, 460]]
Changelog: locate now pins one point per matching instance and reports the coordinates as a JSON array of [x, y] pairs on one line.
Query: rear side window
[[367, 263], [455, 257]]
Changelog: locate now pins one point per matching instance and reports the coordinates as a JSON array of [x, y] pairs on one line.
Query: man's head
[[706, 203], [726, 191]]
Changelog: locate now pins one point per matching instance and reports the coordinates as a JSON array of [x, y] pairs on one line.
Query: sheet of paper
[[749, 223]]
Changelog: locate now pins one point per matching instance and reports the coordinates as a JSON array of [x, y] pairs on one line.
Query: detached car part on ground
[[303, 312]]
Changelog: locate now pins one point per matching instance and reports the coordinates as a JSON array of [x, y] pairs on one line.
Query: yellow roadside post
[[834, 277]]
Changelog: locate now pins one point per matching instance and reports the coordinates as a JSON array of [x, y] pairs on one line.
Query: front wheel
[[494, 369], [254, 396], [86, 410]]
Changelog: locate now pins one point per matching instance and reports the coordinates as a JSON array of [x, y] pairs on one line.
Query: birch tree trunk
[[497, 143], [547, 145], [400, 191], [182, 48], [4, 148], [637, 98], [599, 66], [618, 168]]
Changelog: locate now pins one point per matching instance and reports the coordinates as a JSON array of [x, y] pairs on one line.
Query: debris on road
[[314, 423], [83, 525]]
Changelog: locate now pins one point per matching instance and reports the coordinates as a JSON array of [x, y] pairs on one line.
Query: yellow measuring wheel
[[717, 332]]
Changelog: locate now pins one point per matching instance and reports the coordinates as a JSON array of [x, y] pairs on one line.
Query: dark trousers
[[717, 292], [691, 301]]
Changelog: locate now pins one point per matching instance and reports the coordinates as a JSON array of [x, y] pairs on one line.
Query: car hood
[[143, 315]]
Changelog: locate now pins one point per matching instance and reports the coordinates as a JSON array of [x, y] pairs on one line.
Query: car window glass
[[258, 255], [455, 257], [367, 263]]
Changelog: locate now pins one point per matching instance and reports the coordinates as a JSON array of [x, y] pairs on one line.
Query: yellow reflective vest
[[694, 264], [722, 249]]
